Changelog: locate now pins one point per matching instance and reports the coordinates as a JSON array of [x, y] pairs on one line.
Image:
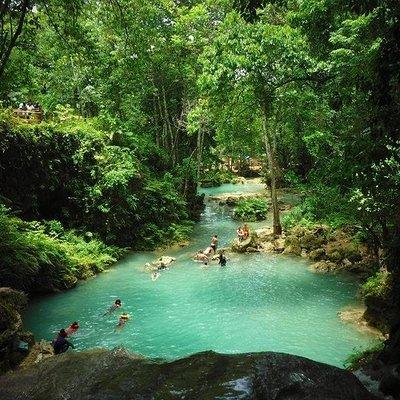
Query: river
[[258, 302]]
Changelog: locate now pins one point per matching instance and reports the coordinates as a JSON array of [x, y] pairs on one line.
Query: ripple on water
[[257, 303]]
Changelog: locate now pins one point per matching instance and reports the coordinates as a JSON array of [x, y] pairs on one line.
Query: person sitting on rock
[[117, 304], [60, 343], [240, 233], [246, 231], [72, 328]]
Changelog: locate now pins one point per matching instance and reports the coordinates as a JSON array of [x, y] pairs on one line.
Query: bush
[[36, 258], [359, 358], [324, 204], [377, 286], [251, 210], [217, 177]]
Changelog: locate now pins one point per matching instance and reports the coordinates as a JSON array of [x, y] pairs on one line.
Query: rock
[[292, 249], [390, 383], [323, 266], [252, 250], [241, 246], [118, 374], [267, 247], [311, 242], [12, 303], [284, 377], [162, 263], [279, 245], [317, 255]]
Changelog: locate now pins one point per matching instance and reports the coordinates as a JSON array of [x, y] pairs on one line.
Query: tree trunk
[[270, 147], [6, 51]]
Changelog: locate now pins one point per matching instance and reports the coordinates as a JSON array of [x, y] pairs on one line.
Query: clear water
[[258, 302]]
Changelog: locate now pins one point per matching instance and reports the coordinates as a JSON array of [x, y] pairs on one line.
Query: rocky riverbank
[[330, 250], [118, 374]]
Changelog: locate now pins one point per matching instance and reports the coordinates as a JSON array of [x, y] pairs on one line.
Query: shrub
[[377, 286], [251, 210], [359, 358], [36, 257]]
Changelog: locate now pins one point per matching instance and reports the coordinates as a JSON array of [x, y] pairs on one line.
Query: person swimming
[[200, 256], [72, 328], [60, 343], [155, 275], [117, 304], [123, 319]]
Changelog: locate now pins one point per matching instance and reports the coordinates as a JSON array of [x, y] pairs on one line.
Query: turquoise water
[[258, 302]]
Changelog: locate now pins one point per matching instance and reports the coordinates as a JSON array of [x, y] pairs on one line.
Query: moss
[[377, 286], [360, 358]]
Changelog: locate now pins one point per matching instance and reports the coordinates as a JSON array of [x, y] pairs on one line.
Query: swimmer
[[200, 256], [117, 304], [72, 329], [123, 319], [154, 275], [208, 251]]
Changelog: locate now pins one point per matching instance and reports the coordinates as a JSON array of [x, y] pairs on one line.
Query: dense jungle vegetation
[[142, 99]]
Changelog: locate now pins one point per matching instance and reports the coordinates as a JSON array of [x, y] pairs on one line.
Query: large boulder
[[12, 303], [119, 375]]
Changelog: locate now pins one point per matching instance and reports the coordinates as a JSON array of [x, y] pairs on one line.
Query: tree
[[256, 59]]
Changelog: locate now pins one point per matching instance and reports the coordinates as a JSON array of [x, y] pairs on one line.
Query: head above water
[[75, 324], [124, 316], [62, 333], [118, 302]]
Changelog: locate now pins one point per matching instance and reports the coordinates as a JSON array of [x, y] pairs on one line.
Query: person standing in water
[[222, 259], [214, 243], [60, 343]]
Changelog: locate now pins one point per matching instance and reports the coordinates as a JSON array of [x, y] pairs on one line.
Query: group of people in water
[[61, 344], [204, 256]]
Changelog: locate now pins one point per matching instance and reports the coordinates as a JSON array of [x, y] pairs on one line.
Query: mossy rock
[[317, 255], [311, 242]]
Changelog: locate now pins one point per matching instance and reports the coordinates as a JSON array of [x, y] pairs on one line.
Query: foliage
[[216, 177], [251, 210], [377, 286], [325, 205], [35, 257], [360, 358], [70, 170]]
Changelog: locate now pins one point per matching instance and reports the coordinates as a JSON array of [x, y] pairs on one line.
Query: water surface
[[258, 302]]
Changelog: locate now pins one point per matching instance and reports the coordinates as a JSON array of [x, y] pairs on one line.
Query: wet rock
[[118, 374], [252, 250], [317, 255], [12, 303], [323, 266], [390, 383], [284, 377]]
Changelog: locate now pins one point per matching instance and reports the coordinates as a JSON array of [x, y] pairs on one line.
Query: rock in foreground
[[119, 375]]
